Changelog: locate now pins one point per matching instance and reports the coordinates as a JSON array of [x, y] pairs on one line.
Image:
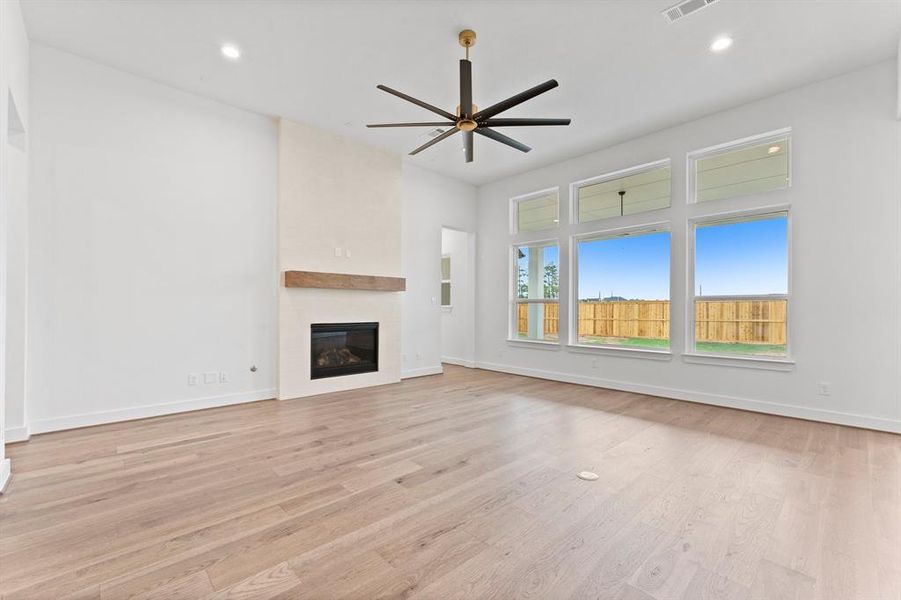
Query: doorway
[[457, 296]]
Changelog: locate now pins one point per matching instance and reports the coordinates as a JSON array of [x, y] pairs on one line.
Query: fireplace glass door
[[343, 349]]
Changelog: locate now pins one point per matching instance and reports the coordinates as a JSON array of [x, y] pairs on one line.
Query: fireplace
[[343, 349]]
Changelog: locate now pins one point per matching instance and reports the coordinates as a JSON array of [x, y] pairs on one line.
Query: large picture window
[[624, 290], [536, 294], [740, 296], [626, 192], [741, 168]]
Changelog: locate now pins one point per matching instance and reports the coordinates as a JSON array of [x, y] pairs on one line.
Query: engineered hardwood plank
[[460, 485]]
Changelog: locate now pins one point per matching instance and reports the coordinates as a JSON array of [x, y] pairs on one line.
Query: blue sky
[[731, 259], [632, 267], [742, 258]]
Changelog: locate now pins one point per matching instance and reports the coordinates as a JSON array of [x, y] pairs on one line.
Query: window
[[624, 290], [626, 192], [536, 211], [445, 281], [750, 166], [740, 295], [536, 293]]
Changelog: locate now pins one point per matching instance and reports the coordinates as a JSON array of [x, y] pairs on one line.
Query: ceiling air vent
[[683, 9]]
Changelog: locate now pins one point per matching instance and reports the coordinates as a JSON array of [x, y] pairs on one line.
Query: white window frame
[[620, 174], [515, 301], [514, 210], [573, 324], [778, 363], [448, 307], [692, 158]]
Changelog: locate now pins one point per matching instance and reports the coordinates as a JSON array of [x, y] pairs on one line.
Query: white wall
[[430, 202], [152, 251], [14, 50], [845, 325], [339, 212], [458, 320]]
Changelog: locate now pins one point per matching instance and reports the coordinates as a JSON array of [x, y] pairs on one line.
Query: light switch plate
[[210, 377]]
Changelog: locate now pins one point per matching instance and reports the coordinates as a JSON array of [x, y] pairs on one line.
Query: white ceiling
[[623, 71]]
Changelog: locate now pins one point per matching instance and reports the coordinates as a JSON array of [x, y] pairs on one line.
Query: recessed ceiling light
[[231, 51], [721, 43], [774, 149]]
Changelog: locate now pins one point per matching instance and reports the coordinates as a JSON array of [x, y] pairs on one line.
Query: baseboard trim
[[437, 370], [761, 406], [16, 434], [5, 473], [451, 360], [143, 412]]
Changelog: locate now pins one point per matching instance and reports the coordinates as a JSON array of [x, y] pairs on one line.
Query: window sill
[[542, 345], [645, 353], [745, 362]]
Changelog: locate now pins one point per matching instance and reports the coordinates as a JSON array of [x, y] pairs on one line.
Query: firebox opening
[[343, 349]]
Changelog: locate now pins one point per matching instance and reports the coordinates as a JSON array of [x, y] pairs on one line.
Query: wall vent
[[683, 9]]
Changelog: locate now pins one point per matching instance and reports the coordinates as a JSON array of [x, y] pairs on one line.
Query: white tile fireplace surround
[[303, 307], [339, 212]]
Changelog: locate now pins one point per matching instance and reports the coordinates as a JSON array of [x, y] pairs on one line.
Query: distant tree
[[551, 281], [522, 284]]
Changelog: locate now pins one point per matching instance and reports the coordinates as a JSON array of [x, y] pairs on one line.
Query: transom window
[[536, 211], [634, 190], [741, 168]]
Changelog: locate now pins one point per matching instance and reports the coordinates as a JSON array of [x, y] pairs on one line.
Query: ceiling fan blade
[[500, 137], [522, 122], [465, 89], [417, 102], [435, 140], [433, 124], [515, 100], [467, 145]]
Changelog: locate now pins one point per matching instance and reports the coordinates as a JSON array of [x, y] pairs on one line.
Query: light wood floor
[[456, 486]]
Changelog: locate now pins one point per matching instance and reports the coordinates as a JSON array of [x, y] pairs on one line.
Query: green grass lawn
[[708, 347]]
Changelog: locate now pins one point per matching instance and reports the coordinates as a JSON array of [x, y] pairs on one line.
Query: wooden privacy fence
[[744, 320]]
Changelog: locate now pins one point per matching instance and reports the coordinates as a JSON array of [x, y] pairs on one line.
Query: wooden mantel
[[343, 281]]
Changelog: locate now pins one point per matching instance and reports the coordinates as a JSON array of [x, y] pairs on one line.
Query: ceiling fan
[[468, 118]]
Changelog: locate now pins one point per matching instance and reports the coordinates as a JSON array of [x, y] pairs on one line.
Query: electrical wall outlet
[[347, 253], [193, 379], [824, 388], [223, 377], [210, 377], [338, 251]]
